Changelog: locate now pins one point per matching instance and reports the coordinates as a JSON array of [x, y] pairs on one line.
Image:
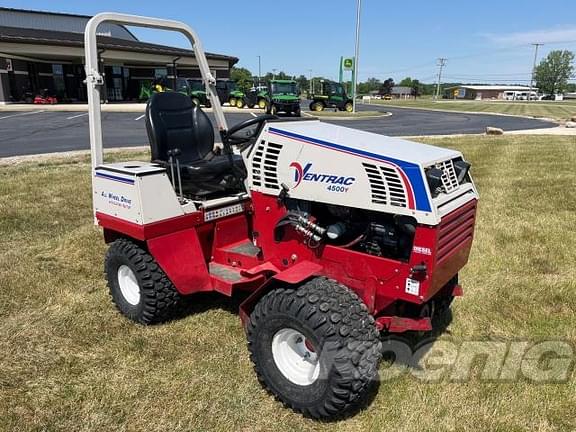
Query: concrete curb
[[328, 117], [17, 160]]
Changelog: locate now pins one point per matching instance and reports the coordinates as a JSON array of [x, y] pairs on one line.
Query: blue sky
[[484, 41]]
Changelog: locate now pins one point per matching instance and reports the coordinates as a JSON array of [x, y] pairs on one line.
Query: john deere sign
[[348, 64]]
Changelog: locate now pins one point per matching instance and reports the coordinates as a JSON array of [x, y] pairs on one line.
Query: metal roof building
[[483, 91], [45, 50]]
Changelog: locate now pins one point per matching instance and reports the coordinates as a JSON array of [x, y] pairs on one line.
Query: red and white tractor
[[336, 234]]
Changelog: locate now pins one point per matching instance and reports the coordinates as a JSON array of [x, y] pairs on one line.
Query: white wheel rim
[[128, 285], [293, 358]]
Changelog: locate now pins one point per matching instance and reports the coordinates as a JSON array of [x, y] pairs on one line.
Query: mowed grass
[[70, 362], [549, 109]]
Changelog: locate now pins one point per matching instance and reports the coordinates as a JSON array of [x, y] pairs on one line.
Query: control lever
[[174, 153], [170, 153]]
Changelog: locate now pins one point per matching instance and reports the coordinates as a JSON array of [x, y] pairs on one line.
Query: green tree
[[553, 72], [369, 85], [302, 83], [406, 82], [416, 88], [242, 77], [386, 87]]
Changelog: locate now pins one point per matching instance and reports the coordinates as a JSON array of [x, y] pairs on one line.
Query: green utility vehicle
[[283, 96], [195, 89], [332, 95]]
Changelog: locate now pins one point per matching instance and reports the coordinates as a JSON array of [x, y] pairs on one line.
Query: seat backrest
[[174, 121]]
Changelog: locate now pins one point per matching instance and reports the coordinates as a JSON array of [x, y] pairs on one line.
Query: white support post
[[94, 80]]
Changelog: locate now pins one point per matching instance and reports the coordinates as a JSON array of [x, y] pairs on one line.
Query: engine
[[366, 231]]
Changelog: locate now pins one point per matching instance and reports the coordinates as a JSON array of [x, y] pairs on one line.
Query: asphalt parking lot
[[38, 131]]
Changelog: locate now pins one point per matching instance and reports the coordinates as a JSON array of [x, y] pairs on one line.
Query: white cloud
[[541, 36]]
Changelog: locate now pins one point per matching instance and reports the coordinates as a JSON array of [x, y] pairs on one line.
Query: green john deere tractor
[[331, 95], [256, 96], [283, 96], [195, 89]]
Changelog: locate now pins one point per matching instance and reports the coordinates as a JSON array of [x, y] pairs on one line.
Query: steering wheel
[[243, 125]]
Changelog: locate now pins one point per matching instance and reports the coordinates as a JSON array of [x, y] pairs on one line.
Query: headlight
[[461, 168], [434, 178]]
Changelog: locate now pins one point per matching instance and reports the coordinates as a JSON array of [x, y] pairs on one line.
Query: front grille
[[449, 178], [455, 229]]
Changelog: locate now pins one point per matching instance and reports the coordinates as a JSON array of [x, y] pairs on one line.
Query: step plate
[[246, 248], [224, 272]]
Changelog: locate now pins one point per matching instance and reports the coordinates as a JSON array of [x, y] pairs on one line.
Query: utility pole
[[356, 52], [259, 70], [310, 82], [441, 63], [536, 45], [274, 73]]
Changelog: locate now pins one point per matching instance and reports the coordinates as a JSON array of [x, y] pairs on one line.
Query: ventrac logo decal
[[333, 182]]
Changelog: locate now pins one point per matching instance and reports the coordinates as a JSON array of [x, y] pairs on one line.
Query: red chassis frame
[[186, 247]]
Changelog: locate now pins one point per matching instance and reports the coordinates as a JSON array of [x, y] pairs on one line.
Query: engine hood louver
[[386, 187], [265, 165]]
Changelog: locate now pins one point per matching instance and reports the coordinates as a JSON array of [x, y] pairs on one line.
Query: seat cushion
[[205, 170]]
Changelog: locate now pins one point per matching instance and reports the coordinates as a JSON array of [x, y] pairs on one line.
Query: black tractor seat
[[176, 125]]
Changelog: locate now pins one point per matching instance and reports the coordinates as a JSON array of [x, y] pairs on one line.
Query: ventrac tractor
[[331, 235]]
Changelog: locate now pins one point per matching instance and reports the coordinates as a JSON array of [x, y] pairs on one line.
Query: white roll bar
[[94, 80]]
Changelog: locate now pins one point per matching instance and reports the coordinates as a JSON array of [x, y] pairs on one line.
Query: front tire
[[232, 101], [139, 288], [239, 103], [315, 348]]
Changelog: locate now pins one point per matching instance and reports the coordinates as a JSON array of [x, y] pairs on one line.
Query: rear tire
[[317, 106], [232, 101], [239, 103], [315, 348], [139, 288], [262, 104]]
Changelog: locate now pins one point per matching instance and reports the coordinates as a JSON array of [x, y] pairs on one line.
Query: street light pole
[[536, 45], [310, 83], [274, 73], [259, 70], [356, 52]]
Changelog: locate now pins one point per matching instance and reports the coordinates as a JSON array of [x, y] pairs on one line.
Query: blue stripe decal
[[114, 178], [411, 170]]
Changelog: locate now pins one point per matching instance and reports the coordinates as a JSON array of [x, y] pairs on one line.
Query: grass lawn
[[70, 362], [549, 109]]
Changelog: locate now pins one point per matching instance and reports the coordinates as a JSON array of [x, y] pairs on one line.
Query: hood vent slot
[[386, 186], [265, 165]]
